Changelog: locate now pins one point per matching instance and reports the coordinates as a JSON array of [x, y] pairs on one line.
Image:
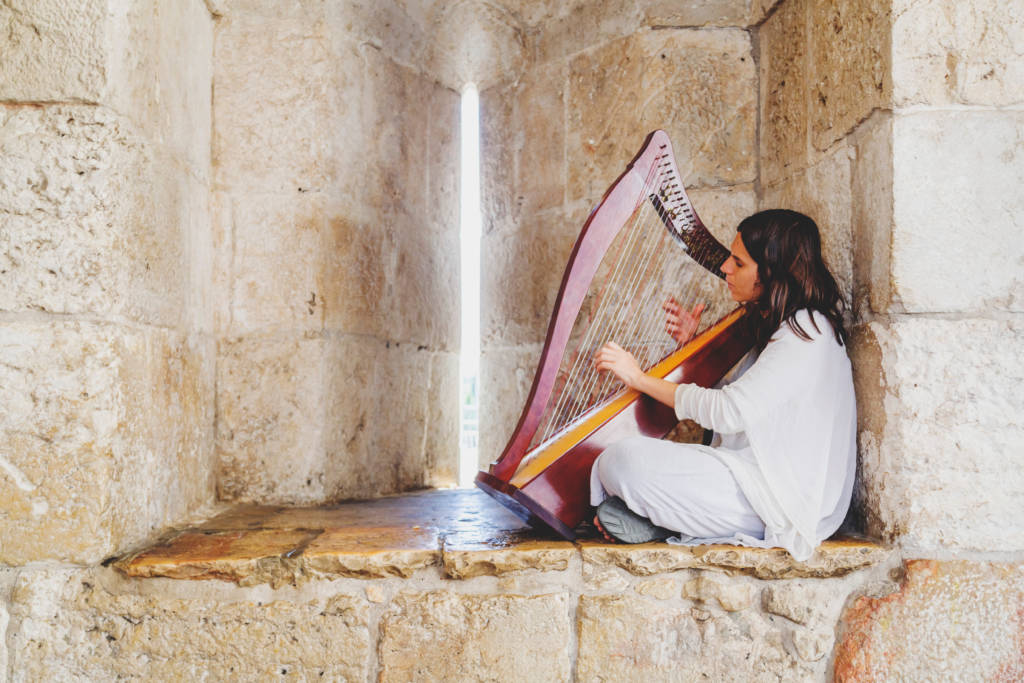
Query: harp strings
[[628, 309]]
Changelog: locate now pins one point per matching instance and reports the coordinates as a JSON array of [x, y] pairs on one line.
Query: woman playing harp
[[780, 469]]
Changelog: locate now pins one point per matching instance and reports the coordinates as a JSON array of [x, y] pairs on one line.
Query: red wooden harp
[[641, 244]]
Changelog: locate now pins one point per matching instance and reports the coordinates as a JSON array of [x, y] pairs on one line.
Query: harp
[[642, 243]]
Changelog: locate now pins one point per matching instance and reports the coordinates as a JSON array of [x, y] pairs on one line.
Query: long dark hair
[[786, 246]]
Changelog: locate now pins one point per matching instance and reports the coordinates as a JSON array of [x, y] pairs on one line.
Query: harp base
[[522, 505]]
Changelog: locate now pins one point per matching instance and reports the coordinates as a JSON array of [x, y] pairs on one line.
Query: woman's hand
[[681, 324], [620, 362]]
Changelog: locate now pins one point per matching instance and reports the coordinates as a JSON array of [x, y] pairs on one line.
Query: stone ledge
[[835, 557], [463, 533]]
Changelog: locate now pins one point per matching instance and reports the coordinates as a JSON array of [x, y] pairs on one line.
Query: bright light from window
[[469, 238]]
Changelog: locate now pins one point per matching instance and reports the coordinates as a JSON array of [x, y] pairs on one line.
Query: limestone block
[[428, 636], [823, 192], [400, 29], [833, 558], [443, 158], [957, 619], [871, 215], [399, 435], [278, 279], [946, 52], [785, 84], [661, 588], [506, 375], [252, 146], [475, 42], [70, 627], [53, 50], [731, 595], [522, 148], [851, 59], [803, 602], [633, 639], [636, 83], [483, 553], [958, 211], [690, 14], [82, 235], [104, 437], [160, 72], [579, 25], [940, 421], [271, 407], [221, 239], [524, 270], [722, 208], [4, 618], [441, 438], [378, 137], [382, 551]]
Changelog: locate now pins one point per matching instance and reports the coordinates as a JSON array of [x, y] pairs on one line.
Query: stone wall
[[595, 80], [943, 466], [575, 615], [106, 328], [335, 213]]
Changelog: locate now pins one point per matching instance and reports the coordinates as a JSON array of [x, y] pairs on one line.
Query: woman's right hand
[[681, 324]]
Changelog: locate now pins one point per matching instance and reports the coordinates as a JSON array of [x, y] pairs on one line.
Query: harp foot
[[522, 505]]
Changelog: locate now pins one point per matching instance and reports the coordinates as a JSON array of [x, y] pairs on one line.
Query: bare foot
[[604, 533]]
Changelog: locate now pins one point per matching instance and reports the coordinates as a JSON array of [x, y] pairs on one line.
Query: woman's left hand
[[620, 362]]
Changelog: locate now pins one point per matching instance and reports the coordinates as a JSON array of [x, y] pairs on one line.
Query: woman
[[780, 470]]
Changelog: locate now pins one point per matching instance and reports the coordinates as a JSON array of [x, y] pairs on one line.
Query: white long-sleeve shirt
[[788, 430]]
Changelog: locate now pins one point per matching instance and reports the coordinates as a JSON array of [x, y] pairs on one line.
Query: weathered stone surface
[[802, 602], [484, 553], [634, 83], [705, 13], [81, 235], [940, 421], [851, 57], [427, 636], [507, 372], [731, 595], [70, 627], [948, 620], [251, 147], [271, 406], [823, 192], [475, 42], [946, 52], [639, 640], [372, 552], [523, 273], [722, 208], [574, 26], [104, 436], [245, 557], [277, 251], [958, 209], [871, 215], [4, 618], [661, 588], [784, 83], [522, 149], [53, 50], [150, 61], [832, 558], [401, 436]]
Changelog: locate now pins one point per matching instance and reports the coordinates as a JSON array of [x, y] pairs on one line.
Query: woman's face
[[741, 273]]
